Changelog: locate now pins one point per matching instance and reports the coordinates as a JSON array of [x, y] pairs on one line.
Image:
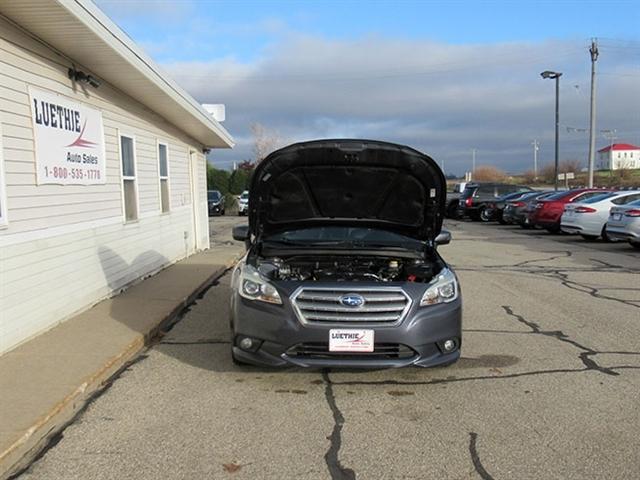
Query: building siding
[[67, 247]]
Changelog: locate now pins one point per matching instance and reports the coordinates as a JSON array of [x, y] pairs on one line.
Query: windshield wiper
[[304, 243]]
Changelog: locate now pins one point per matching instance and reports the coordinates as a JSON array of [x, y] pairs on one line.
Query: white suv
[[243, 203]]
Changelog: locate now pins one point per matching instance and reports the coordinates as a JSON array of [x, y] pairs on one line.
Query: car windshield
[[213, 195], [599, 198], [468, 192], [244, 196], [340, 236]]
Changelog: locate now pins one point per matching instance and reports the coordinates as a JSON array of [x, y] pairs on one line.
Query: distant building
[[618, 156], [102, 164]]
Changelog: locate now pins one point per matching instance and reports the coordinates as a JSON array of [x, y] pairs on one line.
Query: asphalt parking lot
[[548, 386]]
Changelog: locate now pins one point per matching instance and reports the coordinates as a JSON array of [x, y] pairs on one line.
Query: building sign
[[69, 140]]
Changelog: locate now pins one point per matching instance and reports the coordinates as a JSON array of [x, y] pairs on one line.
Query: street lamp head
[[550, 74]]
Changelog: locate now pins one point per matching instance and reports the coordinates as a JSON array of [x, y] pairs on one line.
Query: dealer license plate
[[343, 340]]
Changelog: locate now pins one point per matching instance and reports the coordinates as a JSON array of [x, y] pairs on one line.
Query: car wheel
[[589, 238], [554, 229], [502, 221], [222, 212], [635, 245], [603, 234], [484, 215]]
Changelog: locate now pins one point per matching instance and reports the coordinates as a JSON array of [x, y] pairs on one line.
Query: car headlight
[[254, 286], [442, 289]]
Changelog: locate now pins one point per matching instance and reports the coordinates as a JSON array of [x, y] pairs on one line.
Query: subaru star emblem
[[352, 300]]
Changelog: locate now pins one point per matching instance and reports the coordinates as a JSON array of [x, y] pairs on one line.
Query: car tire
[[589, 238], [603, 234], [484, 215], [635, 245], [502, 221], [554, 230], [222, 212]]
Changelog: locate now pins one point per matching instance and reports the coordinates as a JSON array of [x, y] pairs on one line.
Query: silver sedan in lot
[[589, 217], [624, 223]]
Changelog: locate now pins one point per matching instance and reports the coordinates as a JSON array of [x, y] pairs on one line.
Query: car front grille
[[381, 351], [382, 306]]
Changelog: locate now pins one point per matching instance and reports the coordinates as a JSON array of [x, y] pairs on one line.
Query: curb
[[18, 457]]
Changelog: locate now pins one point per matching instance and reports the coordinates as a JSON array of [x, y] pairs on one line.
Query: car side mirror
[[443, 238], [240, 233]]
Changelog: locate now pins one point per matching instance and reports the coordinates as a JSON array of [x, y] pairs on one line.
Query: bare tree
[[569, 166], [529, 176], [487, 173], [265, 141]]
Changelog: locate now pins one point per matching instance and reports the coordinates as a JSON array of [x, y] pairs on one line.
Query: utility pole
[[473, 160], [592, 128], [536, 147]]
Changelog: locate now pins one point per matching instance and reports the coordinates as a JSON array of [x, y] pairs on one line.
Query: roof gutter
[[93, 18]]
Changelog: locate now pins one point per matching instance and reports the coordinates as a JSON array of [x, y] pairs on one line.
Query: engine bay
[[346, 269]]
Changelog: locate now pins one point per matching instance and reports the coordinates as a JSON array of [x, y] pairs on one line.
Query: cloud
[[440, 98]]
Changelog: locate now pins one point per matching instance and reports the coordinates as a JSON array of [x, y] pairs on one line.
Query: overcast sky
[[442, 77]]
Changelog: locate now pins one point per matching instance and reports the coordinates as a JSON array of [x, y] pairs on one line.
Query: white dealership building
[[102, 164]]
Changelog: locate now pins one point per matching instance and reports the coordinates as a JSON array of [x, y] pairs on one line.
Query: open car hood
[[356, 183]]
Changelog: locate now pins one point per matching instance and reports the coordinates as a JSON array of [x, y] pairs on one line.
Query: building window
[[3, 196], [163, 173], [129, 182]]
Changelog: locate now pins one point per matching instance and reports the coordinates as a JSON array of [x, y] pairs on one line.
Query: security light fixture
[[555, 76], [550, 74], [80, 76]]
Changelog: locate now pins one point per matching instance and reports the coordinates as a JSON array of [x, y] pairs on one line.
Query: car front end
[[338, 275], [215, 201], [395, 324], [243, 203]]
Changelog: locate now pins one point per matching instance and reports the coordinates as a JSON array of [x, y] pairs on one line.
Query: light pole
[[473, 163], [536, 147], [556, 76]]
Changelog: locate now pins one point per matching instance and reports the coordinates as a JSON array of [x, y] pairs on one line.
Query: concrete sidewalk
[[45, 382]]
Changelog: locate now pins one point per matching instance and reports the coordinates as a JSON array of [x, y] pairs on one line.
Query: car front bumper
[[215, 209], [281, 337]]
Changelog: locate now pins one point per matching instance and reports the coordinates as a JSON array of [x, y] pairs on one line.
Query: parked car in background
[[495, 209], [517, 211], [216, 202], [475, 197], [453, 198], [548, 211], [589, 217], [243, 203], [624, 223]]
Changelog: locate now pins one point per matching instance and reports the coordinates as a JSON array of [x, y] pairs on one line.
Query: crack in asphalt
[[438, 381], [475, 458], [562, 275], [585, 355], [336, 470]]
